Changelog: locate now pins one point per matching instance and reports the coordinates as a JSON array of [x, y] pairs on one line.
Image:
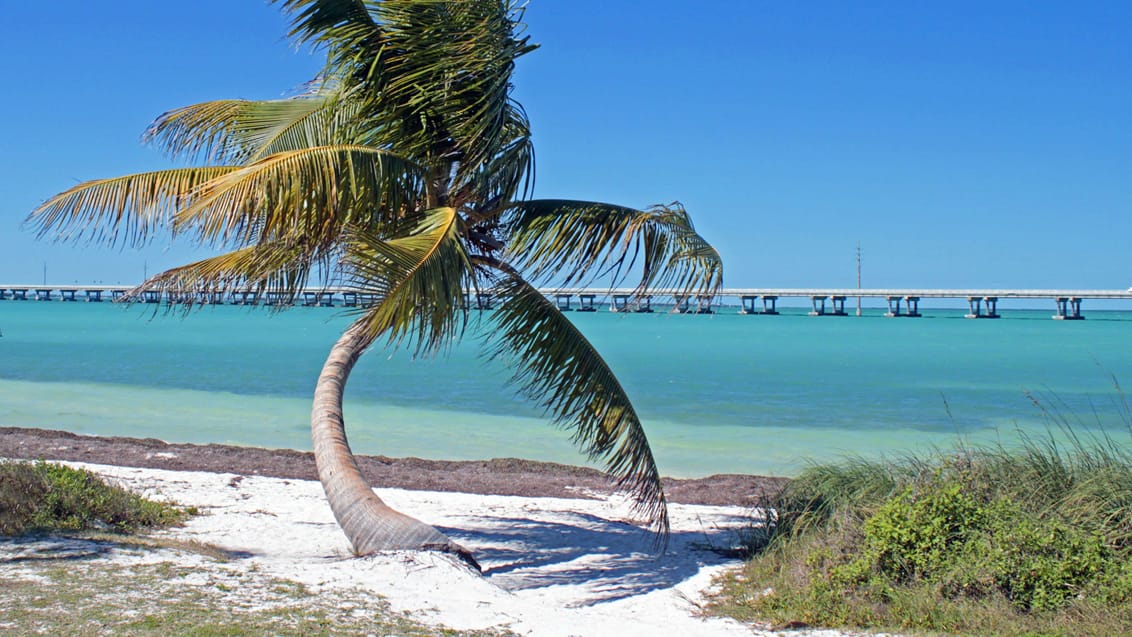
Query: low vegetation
[[1028, 541], [53, 595], [70, 569], [46, 497]]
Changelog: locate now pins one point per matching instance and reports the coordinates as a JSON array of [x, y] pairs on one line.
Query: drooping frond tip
[[240, 131], [559, 368], [577, 242], [121, 210]]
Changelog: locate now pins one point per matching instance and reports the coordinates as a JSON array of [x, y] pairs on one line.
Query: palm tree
[[404, 171]]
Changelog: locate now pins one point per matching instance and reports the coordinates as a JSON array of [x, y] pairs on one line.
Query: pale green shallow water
[[722, 393]]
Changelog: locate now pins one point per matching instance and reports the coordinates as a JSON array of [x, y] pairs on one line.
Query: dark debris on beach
[[500, 476]]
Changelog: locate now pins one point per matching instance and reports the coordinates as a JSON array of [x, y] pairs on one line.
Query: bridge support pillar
[[1068, 309], [913, 304], [747, 304], [992, 306], [20, 294], [770, 305], [838, 306], [644, 306], [976, 303], [43, 294], [819, 305], [586, 303], [562, 301], [894, 306], [94, 296]]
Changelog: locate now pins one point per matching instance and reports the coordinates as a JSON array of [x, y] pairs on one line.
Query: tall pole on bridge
[[858, 277]]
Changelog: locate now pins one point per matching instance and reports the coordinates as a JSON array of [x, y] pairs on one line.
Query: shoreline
[[499, 476], [552, 567], [566, 563]]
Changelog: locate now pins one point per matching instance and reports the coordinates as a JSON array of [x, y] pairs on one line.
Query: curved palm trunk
[[368, 522]]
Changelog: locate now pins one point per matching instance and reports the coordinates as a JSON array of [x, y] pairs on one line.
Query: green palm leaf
[[125, 209], [419, 279], [313, 192], [201, 131], [344, 24], [439, 73], [280, 126], [604, 240], [450, 64], [238, 131], [558, 367], [277, 267], [506, 177]]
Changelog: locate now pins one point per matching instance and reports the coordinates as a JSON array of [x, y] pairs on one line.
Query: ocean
[[721, 393]]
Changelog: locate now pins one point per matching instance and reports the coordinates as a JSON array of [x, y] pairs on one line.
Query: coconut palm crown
[[403, 171]]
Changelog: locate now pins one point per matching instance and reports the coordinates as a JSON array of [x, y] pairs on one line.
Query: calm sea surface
[[722, 393]]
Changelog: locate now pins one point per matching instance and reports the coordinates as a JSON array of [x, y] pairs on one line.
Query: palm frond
[[506, 177], [238, 131], [446, 69], [313, 192], [126, 209], [347, 30], [203, 131], [558, 367], [437, 74], [279, 268], [575, 242], [418, 278], [276, 127], [330, 21]]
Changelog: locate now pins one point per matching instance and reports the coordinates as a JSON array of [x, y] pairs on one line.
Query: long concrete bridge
[[902, 302]]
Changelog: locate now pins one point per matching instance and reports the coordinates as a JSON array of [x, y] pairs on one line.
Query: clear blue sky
[[965, 144]]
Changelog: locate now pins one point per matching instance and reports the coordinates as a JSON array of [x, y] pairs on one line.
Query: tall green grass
[[1028, 540], [46, 497]]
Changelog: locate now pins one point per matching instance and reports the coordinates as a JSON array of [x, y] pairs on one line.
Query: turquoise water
[[722, 393]]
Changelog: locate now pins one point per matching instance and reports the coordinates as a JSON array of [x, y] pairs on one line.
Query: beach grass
[[1031, 540]]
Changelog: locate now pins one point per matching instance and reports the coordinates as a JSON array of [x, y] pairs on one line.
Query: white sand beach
[[553, 567]]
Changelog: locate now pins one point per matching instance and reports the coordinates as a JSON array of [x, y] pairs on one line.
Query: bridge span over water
[[902, 302]]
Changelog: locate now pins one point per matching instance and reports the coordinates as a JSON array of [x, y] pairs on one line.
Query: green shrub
[[1042, 564], [970, 548], [1036, 540], [916, 536], [41, 496]]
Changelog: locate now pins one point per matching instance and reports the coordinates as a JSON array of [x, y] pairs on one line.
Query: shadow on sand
[[613, 560], [43, 548], [63, 548]]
